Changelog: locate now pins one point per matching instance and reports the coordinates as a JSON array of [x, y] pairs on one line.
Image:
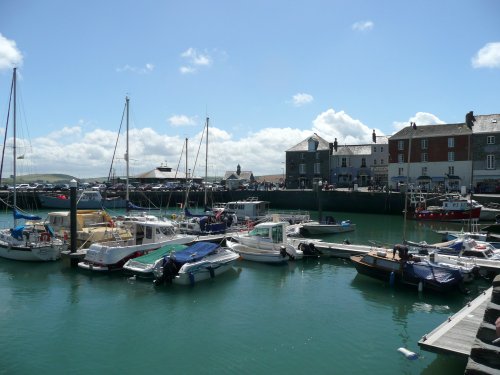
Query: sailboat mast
[[126, 154], [407, 181], [206, 167], [14, 151], [187, 188]]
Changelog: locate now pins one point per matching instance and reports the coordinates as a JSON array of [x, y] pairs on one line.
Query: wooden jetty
[[457, 334], [471, 333]]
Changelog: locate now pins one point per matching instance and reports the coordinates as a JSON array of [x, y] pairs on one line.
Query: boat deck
[[457, 334]]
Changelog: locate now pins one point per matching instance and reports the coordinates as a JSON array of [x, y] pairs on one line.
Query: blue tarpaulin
[[194, 252], [20, 215]]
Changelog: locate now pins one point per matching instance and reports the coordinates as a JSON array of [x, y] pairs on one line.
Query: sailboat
[[208, 223], [147, 235], [26, 242]]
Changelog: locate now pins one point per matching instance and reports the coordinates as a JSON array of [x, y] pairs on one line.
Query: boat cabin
[[249, 209]]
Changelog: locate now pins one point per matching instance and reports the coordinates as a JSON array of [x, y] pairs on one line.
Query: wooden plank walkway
[[457, 334]]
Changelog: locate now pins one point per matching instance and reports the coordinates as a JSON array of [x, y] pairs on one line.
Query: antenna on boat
[[127, 198], [206, 165]]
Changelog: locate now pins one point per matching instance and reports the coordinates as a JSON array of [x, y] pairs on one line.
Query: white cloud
[[488, 56], [301, 99], [148, 68], [194, 60], [187, 70], [420, 118], [362, 25], [182, 120], [330, 125], [84, 152], [10, 56]]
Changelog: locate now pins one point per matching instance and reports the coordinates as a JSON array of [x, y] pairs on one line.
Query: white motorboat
[[266, 242], [327, 227], [26, 242], [198, 262], [146, 236], [143, 266]]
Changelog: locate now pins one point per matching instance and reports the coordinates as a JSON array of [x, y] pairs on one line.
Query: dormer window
[[312, 145]]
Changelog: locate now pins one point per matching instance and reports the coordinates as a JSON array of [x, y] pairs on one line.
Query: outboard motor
[[283, 252]]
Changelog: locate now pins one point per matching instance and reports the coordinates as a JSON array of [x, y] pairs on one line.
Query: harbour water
[[314, 316]]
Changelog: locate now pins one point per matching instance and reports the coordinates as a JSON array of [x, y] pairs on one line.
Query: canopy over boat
[[194, 252]]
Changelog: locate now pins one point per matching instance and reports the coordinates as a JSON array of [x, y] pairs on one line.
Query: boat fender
[[283, 251], [408, 354], [392, 278], [45, 237]]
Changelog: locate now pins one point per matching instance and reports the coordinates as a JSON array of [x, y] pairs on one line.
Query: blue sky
[[267, 73]]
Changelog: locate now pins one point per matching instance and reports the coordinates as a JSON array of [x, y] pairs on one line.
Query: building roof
[[486, 124], [304, 145], [162, 173], [354, 150], [232, 175], [424, 131]]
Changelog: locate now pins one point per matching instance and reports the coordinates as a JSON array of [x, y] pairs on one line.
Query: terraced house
[[450, 157]]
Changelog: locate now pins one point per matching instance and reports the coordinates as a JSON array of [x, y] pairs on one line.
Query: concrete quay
[[339, 200]]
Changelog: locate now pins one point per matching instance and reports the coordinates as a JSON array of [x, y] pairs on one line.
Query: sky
[[268, 74]]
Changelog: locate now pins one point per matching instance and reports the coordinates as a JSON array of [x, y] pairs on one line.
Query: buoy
[[408, 354]]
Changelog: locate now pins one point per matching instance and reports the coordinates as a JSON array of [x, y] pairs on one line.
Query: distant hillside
[[41, 178]]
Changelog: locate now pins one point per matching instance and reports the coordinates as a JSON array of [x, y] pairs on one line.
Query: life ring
[[111, 223], [174, 216], [45, 237]]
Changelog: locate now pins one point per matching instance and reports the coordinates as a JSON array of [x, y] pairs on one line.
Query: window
[[302, 168], [374, 149], [490, 140], [301, 156], [451, 156], [451, 142], [317, 155], [451, 171], [344, 162], [401, 158], [381, 148], [381, 161], [401, 145], [490, 161], [363, 162], [374, 161], [317, 168], [400, 171], [424, 144], [424, 171], [424, 157]]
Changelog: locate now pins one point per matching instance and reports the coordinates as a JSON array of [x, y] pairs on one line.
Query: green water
[[312, 316]]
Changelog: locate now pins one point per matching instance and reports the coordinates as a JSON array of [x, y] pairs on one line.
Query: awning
[[422, 178], [398, 178], [437, 179], [453, 177]]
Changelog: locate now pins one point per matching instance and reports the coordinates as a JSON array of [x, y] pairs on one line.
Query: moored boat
[[266, 242], [146, 236], [452, 209], [327, 227], [143, 266], [26, 242], [405, 269], [87, 199], [198, 262]]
